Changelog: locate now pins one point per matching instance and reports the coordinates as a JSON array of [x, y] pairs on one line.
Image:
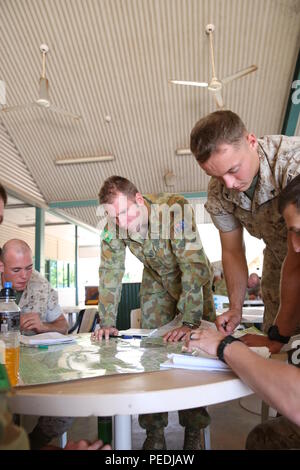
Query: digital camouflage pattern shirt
[[279, 158], [39, 297]]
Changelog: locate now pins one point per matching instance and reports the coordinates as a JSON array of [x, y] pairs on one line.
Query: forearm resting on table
[[60, 325], [275, 382]]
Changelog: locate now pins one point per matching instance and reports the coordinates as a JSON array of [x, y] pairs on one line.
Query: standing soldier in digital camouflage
[[177, 278], [247, 176]]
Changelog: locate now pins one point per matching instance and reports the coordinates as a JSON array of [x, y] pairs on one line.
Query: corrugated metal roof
[[14, 173], [115, 58]]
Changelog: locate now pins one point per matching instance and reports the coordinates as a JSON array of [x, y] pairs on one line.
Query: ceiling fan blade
[[239, 74], [219, 99], [183, 82], [43, 89], [8, 109], [55, 109]]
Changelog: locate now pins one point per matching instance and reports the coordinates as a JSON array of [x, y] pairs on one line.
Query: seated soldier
[[34, 295]]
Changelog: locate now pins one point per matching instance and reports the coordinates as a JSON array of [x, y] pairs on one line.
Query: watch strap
[[274, 335], [222, 345]]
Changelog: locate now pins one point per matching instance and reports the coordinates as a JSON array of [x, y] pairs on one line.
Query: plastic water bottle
[[10, 332]]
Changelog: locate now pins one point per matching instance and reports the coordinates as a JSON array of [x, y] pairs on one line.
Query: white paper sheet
[[46, 339], [202, 361], [184, 361]]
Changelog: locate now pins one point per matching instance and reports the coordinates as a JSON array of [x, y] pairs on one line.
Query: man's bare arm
[[276, 382], [60, 325], [32, 322], [236, 275]]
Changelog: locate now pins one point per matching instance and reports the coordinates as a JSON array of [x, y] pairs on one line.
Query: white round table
[[126, 394]]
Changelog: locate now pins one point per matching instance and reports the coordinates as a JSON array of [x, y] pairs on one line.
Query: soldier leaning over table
[[177, 278]]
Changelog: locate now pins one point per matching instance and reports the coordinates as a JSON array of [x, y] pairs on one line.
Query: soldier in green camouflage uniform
[[219, 285], [235, 202], [177, 278]]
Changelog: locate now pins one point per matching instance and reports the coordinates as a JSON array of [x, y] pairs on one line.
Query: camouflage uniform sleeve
[[111, 271], [288, 166], [54, 310], [221, 211], [193, 263]]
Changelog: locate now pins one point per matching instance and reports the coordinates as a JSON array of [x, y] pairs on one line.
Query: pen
[[97, 327], [130, 336], [37, 346]]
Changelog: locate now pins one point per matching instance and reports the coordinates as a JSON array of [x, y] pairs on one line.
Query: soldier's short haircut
[[15, 244], [3, 194], [290, 195], [114, 185], [220, 127]]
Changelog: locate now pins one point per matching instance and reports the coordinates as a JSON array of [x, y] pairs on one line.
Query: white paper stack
[[185, 361], [46, 339], [203, 361]]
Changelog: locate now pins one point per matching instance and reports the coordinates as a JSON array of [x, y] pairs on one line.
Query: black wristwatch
[[190, 325], [274, 335], [222, 345]]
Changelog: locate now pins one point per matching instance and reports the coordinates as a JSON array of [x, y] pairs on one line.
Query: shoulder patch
[[106, 235]]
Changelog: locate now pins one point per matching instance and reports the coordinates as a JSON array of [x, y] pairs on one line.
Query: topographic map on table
[[85, 359]]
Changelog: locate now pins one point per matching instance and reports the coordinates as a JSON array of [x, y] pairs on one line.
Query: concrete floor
[[231, 423]]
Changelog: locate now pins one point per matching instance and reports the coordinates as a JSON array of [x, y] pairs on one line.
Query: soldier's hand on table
[[178, 334], [104, 332], [32, 321], [259, 341], [228, 321], [205, 339]]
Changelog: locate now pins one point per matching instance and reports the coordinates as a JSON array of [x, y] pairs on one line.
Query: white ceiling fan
[[43, 100], [215, 86]]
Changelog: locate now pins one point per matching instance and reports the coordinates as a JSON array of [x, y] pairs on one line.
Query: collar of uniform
[[136, 237], [238, 198]]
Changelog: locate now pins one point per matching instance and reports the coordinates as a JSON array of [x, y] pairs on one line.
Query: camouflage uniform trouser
[[159, 308], [46, 429], [276, 434]]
